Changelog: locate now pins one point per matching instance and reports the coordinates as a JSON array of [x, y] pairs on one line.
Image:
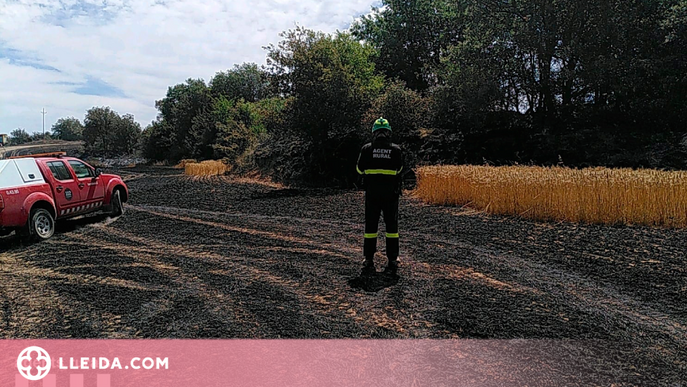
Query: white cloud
[[139, 47]]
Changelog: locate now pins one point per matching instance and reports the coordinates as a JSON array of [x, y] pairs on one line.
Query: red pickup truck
[[37, 190]]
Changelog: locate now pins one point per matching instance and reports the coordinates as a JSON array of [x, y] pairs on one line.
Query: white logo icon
[[32, 358]]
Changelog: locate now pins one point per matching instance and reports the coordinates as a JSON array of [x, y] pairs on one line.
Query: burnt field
[[221, 258]]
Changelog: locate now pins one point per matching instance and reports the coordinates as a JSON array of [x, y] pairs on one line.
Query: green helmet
[[381, 123]]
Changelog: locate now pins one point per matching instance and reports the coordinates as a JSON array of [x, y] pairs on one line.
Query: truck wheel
[[41, 224], [117, 208]]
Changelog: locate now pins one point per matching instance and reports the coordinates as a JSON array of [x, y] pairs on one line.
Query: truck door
[[65, 189], [92, 188]]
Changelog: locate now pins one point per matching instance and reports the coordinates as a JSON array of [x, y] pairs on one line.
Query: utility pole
[[44, 112]]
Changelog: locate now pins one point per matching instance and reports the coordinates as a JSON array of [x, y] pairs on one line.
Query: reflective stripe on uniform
[[381, 172], [359, 171], [370, 236], [388, 235]]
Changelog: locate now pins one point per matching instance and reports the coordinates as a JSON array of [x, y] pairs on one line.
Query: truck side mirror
[[98, 172]]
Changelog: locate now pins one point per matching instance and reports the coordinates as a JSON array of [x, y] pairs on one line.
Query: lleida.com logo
[[34, 363]]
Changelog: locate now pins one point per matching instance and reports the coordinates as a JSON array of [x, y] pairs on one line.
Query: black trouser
[[374, 206]]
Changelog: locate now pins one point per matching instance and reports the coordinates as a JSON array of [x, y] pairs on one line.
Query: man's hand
[[360, 182]]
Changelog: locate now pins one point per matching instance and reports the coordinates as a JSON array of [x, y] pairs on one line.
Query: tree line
[[104, 133], [462, 81], [67, 129]]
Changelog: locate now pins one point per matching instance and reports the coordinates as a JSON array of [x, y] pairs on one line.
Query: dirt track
[[42, 147], [201, 258]]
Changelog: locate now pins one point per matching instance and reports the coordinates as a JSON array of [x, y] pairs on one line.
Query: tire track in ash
[[539, 277], [587, 296], [421, 271], [324, 291], [657, 331], [305, 221], [182, 286], [235, 270], [54, 270], [584, 294], [625, 318], [31, 308], [651, 329], [178, 214], [530, 277]]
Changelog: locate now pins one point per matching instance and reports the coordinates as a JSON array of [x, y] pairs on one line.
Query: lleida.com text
[[103, 363]]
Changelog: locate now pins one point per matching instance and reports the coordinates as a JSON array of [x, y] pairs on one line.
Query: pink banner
[[118, 363]]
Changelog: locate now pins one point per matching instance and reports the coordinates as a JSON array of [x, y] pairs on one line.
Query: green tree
[[247, 82], [156, 140], [126, 135], [241, 125], [476, 80], [234, 134], [553, 55], [410, 116], [19, 136], [39, 136], [333, 81], [674, 62], [68, 129], [412, 36], [178, 110], [209, 127], [200, 122], [109, 134], [98, 124]]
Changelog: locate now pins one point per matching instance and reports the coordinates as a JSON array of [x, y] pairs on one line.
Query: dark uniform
[[381, 163]]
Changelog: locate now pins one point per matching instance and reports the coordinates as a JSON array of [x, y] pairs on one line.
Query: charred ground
[[225, 258]]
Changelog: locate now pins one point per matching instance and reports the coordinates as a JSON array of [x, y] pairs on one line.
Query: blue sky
[[69, 55]]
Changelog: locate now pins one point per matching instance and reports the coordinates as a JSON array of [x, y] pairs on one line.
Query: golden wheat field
[[594, 195], [206, 168]]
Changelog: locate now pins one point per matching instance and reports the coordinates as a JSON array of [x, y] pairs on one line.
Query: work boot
[[368, 265], [391, 267]]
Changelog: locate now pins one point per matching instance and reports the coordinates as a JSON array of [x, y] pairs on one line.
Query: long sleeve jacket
[[381, 163]]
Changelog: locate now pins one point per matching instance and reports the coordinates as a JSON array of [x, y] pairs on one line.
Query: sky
[[69, 55]]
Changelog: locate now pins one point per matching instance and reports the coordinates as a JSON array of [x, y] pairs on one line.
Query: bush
[[409, 114], [332, 81]]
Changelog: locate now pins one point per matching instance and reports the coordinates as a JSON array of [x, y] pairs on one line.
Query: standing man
[[381, 163]]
